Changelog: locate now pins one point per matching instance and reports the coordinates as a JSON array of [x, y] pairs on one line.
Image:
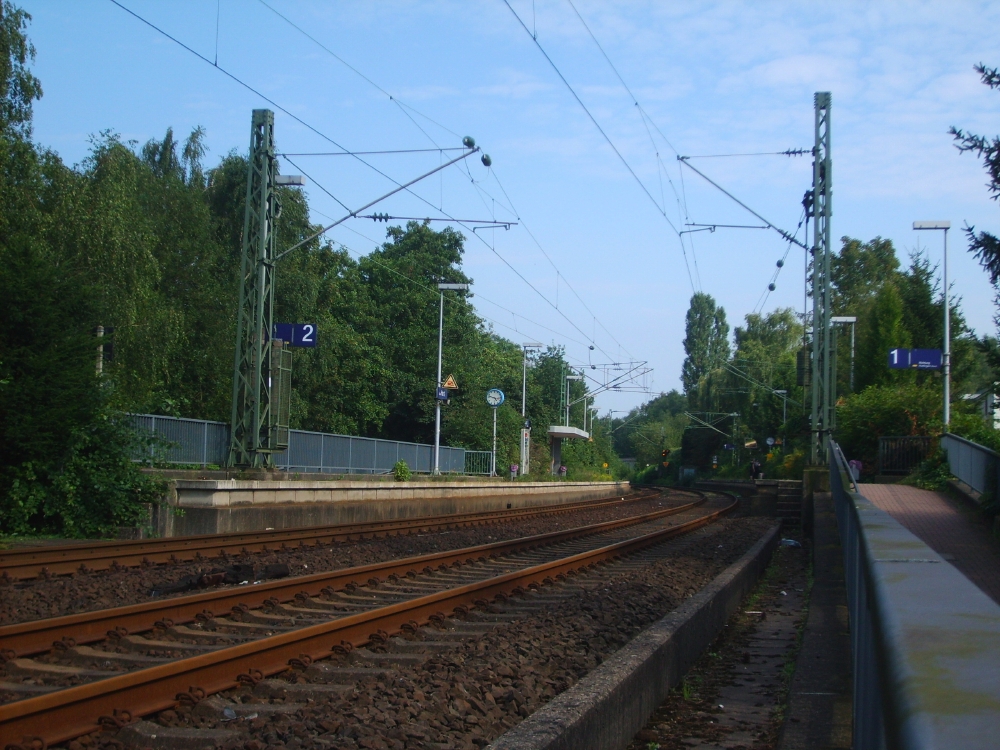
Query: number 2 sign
[[296, 334]]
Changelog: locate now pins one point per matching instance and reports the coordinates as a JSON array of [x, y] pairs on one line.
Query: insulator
[[469, 142], [780, 263], [487, 161], [770, 287]]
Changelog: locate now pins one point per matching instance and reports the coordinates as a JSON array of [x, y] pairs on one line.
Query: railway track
[[221, 639], [25, 563]]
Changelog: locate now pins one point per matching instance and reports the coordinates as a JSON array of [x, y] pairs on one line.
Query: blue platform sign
[[296, 334], [925, 359], [899, 359], [441, 394]]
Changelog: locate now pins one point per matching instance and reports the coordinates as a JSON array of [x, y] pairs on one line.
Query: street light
[[525, 430], [945, 226], [437, 402], [852, 320]]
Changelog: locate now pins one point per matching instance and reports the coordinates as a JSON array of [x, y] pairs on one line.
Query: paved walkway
[[947, 527]]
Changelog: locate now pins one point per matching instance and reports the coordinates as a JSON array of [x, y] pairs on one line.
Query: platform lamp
[[944, 226], [525, 426], [437, 402]]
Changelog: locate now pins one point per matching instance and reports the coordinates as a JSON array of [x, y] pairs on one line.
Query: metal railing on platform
[[479, 462], [901, 455], [973, 464], [925, 640], [203, 443]]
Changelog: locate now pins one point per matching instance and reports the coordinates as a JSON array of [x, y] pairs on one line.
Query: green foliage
[[984, 245], [706, 340], [884, 330], [882, 411], [933, 473], [18, 87], [401, 470]]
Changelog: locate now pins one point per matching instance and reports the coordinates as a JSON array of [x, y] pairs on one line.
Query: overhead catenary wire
[[770, 225], [614, 148], [647, 121], [400, 103], [372, 153], [327, 138]]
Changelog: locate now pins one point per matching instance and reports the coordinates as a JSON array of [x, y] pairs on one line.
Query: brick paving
[[945, 527]]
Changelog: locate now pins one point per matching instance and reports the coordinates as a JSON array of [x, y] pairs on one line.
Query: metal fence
[[204, 443], [975, 465], [925, 641], [901, 455], [479, 462]]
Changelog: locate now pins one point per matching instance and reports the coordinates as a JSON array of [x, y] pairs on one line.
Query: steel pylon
[[824, 374], [257, 432]]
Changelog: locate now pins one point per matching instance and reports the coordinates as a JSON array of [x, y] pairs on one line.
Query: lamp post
[[442, 288], [525, 430], [852, 320], [945, 226]]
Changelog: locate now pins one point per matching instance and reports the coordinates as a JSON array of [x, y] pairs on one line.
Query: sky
[[583, 108]]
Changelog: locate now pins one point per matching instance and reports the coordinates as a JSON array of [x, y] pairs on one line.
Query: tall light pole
[[945, 226], [437, 402], [525, 430]]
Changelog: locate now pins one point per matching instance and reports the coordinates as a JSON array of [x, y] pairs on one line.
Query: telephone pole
[[824, 375]]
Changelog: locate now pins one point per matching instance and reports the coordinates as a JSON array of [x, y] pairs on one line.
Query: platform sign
[[296, 334], [899, 359], [925, 359], [441, 393]]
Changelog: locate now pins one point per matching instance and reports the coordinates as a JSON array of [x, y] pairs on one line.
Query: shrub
[[401, 471], [881, 411], [92, 491]]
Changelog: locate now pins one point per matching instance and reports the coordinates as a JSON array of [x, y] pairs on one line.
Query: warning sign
[[449, 382]]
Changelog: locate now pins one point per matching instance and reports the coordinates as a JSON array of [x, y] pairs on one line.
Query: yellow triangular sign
[[450, 383]]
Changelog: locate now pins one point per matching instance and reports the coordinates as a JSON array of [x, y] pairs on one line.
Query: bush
[[882, 411], [933, 473], [401, 471], [92, 492]]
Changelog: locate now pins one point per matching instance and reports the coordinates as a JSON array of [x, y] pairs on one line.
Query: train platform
[[946, 525]]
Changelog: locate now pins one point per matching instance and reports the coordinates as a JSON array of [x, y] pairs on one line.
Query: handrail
[[925, 641]]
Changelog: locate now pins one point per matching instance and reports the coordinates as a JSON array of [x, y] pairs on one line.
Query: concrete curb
[[607, 707]]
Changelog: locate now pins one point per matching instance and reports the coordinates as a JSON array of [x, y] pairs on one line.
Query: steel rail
[[35, 637], [65, 559], [73, 712]]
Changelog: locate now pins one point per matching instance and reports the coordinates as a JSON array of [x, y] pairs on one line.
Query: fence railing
[[925, 641], [205, 443], [901, 455], [478, 462], [975, 465]]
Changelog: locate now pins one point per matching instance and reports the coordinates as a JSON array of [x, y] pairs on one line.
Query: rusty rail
[[29, 638], [70, 713], [65, 559]]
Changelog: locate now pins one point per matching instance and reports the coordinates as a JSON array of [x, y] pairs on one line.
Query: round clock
[[494, 397]]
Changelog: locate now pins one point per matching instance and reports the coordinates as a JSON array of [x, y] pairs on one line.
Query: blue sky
[[607, 268]]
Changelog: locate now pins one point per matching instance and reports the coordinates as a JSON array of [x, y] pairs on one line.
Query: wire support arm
[[788, 237], [355, 213]]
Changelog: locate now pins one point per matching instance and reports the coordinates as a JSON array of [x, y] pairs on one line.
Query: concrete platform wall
[[217, 506]]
